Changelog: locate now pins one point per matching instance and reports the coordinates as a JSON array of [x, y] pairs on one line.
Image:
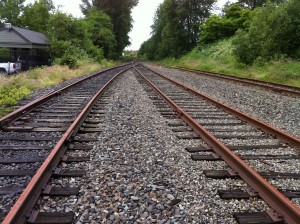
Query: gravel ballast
[[140, 172]]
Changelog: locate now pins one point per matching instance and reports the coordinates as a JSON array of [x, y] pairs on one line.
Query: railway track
[[64, 126], [280, 88], [236, 138], [38, 138]]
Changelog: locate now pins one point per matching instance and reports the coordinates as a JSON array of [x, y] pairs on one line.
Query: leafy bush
[[69, 60], [274, 33], [216, 27], [12, 94]]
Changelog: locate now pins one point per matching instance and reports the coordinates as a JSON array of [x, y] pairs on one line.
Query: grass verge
[[16, 87], [219, 58]]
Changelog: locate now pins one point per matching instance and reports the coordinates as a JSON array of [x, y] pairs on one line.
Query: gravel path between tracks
[[140, 173], [273, 108]]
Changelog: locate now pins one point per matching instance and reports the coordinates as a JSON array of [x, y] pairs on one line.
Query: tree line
[[101, 33], [261, 30]]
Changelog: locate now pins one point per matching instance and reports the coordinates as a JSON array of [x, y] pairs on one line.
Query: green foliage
[[219, 57], [10, 95], [71, 40], [147, 50], [10, 10], [35, 16], [99, 28], [252, 4], [120, 13], [273, 34], [219, 27], [175, 30], [69, 60]]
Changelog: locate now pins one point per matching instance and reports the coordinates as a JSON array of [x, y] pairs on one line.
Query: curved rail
[[281, 88], [282, 205], [30, 195], [32, 105]]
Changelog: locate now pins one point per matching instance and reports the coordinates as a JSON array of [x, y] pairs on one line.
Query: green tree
[[35, 16], [120, 14], [50, 5], [193, 13], [275, 31], [219, 27], [175, 30], [71, 40], [10, 11], [147, 50], [100, 32], [252, 4]]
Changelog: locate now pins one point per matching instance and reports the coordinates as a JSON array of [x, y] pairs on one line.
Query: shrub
[[69, 60], [275, 31]]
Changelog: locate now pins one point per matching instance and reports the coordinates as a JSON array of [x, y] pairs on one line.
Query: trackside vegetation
[[219, 57], [14, 88], [251, 38]]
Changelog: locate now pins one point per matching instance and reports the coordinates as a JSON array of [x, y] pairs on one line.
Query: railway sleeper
[[192, 136], [257, 217], [28, 138], [214, 157], [52, 191], [223, 174], [23, 148], [46, 129], [226, 136], [244, 194], [234, 147], [51, 217], [49, 191], [18, 160], [89, 130]]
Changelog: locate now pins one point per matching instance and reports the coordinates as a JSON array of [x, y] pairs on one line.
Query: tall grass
[[16, 87], [218, 57]]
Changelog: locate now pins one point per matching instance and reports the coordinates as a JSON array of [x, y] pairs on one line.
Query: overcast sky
[[142, 15]]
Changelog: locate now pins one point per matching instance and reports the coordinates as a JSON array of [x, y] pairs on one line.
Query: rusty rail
[[30, 195], [282, 205]]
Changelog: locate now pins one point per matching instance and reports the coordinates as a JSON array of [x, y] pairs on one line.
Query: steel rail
[[281, 88], [34, 104], [276, 133], [20, 211], [276, 200]]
